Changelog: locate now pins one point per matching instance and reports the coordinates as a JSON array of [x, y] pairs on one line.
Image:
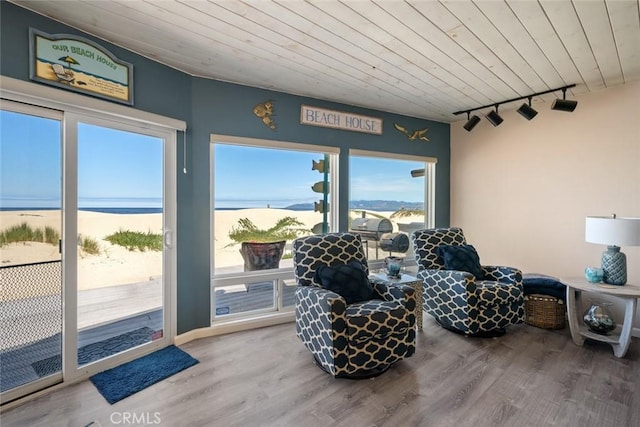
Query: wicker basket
[[545, 311]]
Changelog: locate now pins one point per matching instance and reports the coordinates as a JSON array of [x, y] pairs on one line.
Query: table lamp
[[613, 232]]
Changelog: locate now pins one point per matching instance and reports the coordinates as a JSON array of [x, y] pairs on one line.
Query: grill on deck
[[371, 228], [380, 230]]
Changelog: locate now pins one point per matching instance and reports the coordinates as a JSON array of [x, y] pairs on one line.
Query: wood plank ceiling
[[421, 58]]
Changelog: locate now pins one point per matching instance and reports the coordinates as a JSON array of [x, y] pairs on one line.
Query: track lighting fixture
[[525, 110], [472, 121], [564, 104], [493, 117]]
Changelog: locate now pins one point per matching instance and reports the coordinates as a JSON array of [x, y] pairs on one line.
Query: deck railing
[[30, 302]]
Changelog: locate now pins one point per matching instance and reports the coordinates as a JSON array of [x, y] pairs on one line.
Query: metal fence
[[30, 303]]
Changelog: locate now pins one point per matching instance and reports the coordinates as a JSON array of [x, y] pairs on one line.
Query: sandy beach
[[116, 265]]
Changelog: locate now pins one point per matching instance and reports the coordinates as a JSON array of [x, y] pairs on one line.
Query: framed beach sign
[[315, 116], [80, 65]]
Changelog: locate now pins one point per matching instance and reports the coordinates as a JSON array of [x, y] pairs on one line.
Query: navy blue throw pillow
[[461, 258], [347, 280]]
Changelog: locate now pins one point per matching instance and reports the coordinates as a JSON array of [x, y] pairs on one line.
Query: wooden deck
[[31, 328], [104, 314]]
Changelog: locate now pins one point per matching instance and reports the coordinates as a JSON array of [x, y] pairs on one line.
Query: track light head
[[527, 111], [472, 121], [564, 104], [493, 117]]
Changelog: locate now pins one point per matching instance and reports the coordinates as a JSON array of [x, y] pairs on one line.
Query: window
[[265, 194], [390, 196]]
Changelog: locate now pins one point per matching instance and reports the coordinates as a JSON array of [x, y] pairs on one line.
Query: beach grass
[[403, 213], [133, 240], [286, 228], [23, 232], [51, 235], [89, 245]]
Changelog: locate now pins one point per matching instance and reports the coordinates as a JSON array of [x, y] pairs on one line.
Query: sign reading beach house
[[80, 65], [339, 120]]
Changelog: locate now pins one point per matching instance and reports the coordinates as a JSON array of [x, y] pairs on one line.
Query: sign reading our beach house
[[80, 65], [339, 120]]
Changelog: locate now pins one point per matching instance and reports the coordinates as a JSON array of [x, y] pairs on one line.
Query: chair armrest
[[399, 292], [326, 300], [451, 282], [503, 274]]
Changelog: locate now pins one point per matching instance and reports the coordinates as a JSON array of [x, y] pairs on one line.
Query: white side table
[[412, 281], [620, 338]]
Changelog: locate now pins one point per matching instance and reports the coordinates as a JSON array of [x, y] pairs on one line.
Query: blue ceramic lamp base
[[614, 264]]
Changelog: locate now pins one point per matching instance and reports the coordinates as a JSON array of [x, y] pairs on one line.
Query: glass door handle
[[168, 239]]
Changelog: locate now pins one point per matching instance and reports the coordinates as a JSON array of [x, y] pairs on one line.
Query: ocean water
[[140, 205], [153, 205], [126, 210], [92, 209]]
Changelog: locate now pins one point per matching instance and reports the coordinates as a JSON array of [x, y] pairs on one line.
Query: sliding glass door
[[120, 240], [87, 220], [30, 258]]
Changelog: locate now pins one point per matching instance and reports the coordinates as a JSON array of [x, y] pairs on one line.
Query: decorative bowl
[[594, 274], [599, 319]]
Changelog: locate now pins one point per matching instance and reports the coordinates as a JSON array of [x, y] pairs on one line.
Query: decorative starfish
[[264, 111], [418, 134]]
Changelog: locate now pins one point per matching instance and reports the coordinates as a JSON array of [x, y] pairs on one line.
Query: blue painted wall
[[210, 106]]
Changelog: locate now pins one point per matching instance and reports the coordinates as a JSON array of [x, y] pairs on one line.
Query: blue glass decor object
[[594, 274], [599, 319], [393, 264]]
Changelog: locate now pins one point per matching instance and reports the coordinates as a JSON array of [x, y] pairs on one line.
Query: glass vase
[[598, 318], [393, 266]]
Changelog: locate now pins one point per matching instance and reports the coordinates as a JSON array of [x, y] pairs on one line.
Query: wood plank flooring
[[265, 377]]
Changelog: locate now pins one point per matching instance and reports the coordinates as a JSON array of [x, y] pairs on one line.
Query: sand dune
[[116, 265]]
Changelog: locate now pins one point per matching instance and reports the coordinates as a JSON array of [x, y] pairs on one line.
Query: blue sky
[[29, 159], [284, 177], [113, 166], [384, 179], [118, 169]]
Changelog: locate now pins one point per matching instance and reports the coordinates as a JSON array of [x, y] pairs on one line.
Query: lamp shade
[[613, 231]]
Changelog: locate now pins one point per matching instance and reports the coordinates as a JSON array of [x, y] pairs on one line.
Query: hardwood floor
[[265, 377]]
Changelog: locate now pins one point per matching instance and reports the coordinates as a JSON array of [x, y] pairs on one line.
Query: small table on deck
[[620, 338], [406, 279]]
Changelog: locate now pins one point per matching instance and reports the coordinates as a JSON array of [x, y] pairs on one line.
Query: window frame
[[262, 317], [429, 188]]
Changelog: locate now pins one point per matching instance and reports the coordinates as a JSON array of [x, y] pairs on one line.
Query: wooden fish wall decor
[[264, 111], [417, 134]]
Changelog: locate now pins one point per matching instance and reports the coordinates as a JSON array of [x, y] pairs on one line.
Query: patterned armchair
[[459, 300], [357, 340]]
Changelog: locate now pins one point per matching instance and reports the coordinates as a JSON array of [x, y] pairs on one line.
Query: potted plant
[[262, 249]]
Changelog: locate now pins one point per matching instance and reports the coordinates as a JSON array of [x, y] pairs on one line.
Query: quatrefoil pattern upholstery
[[347, 340], [456, 298]]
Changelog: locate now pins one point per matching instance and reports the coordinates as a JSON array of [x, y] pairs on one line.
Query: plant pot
[[261, 256]]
